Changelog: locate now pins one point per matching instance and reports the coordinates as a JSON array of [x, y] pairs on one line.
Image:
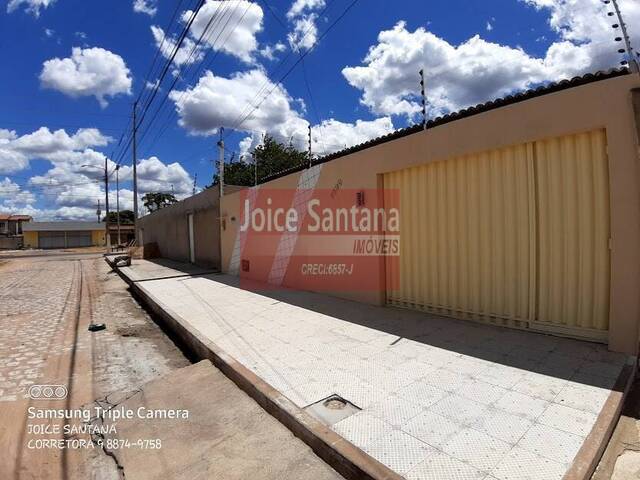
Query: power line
[[187, 63], [302, 56], [279, 65], [172, 114], [165, 69], [159, 50]]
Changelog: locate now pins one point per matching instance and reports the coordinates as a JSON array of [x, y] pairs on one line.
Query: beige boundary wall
[[168, 228], [606, 104]]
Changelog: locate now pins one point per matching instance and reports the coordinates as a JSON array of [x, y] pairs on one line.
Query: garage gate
[[517, 236], [64, 239]]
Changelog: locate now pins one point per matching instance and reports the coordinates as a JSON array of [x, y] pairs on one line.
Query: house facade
[[11, 225], [522, 212]]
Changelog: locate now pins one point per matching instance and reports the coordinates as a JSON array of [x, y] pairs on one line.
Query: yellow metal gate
[[516, 236]]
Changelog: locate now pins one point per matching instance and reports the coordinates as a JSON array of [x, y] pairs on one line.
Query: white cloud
[[149, 7], [269, 51], [233, 29], [332, 135], [6, 135], [477, 70], [15, 151], [10, 160], [88, 72], [49, 32], [489, 27], [218, 101], [152, 85], [155, 176], [186, 54], [303, 17], [300, 6], [70, 190], [304, 34], [31, 6], [245, 146], [13, 196], [45, 142]]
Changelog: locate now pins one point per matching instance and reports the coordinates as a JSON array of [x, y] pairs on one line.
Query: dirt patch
[[140, 331]]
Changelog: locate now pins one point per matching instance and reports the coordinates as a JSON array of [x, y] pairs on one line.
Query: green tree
[[126, 217], [157, 200], [272, 157]]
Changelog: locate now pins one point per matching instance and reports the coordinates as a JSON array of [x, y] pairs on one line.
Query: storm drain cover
[[332, 409]]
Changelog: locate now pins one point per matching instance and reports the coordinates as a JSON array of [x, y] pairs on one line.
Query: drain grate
[[332, 409]]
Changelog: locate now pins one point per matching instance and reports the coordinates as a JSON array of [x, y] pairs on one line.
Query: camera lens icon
[[48, 392]]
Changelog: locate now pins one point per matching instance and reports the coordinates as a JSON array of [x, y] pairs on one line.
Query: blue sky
[[73, 68]]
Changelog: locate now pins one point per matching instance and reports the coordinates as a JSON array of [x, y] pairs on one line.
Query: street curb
[[342, 455], [589, 455]]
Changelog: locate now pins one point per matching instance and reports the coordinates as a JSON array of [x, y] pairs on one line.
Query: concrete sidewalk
[[437, 398], [226, 435]]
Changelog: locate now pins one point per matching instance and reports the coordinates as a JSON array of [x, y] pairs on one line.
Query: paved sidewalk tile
[[439, 398], [441, 466], [400, 451], [477, 449]]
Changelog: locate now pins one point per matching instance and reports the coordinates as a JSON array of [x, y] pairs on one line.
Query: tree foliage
[[272, 157], [126, 217], [156, 200]]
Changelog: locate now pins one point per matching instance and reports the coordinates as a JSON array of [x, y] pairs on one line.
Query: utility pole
[[106, 199], [633, 61], [221, 163], [424, 100], [135, 173], [309, 145], [98, 211], [118, 201], [255, 170]]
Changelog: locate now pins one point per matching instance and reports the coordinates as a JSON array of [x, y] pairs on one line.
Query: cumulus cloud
[[269, 51], [231, 26], [44, 143], [149, 7], [16, 151], [233, 29], [155, 176], [31, 6], [10, 160], [299, 7], [186, 54], [332, 135], [13, 196], [477, 70], [88, 72], [305, 32], [585, 24], [218, 101], [71, 191], [71, 188], [303, 17]]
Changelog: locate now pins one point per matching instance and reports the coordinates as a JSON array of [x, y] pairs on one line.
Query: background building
[[63, 234], [12, 224]]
